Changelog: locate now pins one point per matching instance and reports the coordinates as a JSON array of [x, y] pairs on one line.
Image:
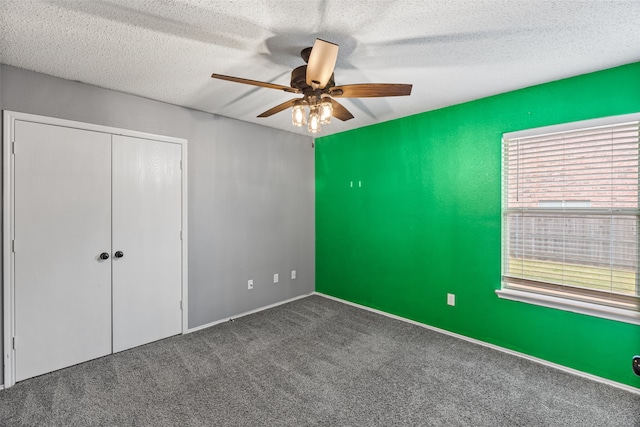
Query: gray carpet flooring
[[314, 362]]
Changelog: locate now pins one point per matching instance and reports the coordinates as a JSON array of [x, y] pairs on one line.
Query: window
[[564, 204], [570, 217]]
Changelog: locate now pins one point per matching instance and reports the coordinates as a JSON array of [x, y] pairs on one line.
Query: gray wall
[[251, 190], [1, 246]]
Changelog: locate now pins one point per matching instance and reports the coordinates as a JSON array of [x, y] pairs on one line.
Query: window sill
[[596, 310]]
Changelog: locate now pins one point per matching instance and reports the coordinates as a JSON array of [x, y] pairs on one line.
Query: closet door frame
[[8, 220]]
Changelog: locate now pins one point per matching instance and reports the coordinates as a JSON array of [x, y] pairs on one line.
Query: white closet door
[[147, 279], [62, 225]]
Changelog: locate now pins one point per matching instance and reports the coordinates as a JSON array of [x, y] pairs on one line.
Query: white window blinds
[[570, 217]]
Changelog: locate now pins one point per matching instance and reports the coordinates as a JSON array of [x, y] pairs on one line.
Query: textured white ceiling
[[452, 51]]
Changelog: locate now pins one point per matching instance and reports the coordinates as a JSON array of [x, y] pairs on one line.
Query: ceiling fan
[[315, 82]]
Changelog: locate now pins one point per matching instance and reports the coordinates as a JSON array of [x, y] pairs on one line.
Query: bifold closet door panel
[[62, 225], [147, 217]]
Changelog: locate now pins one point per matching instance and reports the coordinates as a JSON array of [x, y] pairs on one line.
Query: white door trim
[[10, 118]]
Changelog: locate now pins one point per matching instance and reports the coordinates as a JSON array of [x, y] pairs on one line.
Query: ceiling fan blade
[[370, 90], [255, 83], [339, 112], [322, 61], [279, 108]]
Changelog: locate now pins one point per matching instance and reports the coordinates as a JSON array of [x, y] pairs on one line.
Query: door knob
[[104, 255], [118, 254]]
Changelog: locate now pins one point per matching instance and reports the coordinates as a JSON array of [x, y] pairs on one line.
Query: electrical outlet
[[293, 274], [275, 278], [451, 299], [250, 284]]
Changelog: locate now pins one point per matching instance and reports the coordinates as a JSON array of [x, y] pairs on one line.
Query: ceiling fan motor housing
[[299, 81]]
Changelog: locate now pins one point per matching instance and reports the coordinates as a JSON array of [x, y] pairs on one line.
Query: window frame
[[549, 299]]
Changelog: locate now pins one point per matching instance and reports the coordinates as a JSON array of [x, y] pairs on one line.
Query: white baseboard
[[246, 313], [492, 346], [1, 387]]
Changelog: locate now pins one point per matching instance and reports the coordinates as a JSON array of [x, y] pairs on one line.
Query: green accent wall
[[426, 221]]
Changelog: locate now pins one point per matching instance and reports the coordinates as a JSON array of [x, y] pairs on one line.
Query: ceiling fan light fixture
[[326, 110], [314, 119], [298, 115]]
